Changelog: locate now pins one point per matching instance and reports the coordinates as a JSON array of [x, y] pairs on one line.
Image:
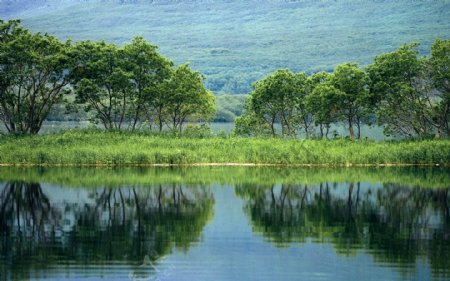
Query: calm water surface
[[224, 224], [341, 130]]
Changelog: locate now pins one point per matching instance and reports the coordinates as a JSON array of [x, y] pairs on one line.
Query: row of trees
[[120, 86], [407, 94]]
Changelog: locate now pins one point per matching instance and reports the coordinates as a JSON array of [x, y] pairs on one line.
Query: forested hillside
[[234, 43]]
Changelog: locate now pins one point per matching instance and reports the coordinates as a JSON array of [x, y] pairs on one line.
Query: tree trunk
[[160, 124], [350, 128], [272, 128], [305, 122], [443, 126], [358, 126]]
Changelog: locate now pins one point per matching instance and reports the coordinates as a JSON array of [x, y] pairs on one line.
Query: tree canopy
[[34, 76], [120, 87], [407, 94]]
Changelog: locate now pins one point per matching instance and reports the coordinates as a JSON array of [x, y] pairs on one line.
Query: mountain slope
[[237, 42]]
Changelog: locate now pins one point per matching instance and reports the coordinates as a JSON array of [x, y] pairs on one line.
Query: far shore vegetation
[[122, 87]]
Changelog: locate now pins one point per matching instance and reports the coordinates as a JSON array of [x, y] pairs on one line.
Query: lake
[[224, 223], [340, 130]]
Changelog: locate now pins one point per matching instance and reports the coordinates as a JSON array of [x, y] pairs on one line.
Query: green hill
[[237, 42]]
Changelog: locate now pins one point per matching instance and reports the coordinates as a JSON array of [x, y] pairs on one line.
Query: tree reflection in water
[[394, 223], [122, 224]]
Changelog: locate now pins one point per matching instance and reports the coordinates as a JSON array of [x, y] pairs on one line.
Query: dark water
[[224, 224]]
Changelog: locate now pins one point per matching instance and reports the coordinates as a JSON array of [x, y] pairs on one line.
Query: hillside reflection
[[44, 225], [396, 224]]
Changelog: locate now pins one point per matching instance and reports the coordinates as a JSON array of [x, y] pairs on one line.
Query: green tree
[[186, 98], [439, 67], [148, 69], [249, 124], [103, 85], [273, 99], [302, 90], [322, 102], [34, 76], [353, 95], [401, 89], [278, 98]]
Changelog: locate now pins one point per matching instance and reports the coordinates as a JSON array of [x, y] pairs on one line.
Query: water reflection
[[44, 225], [396, 224], [139, 224]]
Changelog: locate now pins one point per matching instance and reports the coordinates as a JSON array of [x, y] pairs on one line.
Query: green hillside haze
[[234, 43]]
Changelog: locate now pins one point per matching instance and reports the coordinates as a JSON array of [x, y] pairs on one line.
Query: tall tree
[[103, 85], [34, 76], [148, 69], [303, 87], [322, 102], [401, 89], [352, 101], [186, 98], [439, 67], [275, 99]]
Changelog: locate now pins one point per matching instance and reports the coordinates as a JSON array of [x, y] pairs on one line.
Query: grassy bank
[[88, 147]]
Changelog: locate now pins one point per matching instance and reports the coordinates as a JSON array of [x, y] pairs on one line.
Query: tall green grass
[[95, 147]]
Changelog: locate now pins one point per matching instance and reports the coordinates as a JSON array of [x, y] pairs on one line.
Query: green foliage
[[117, 148], [34, 76], [401, 88], [408, 93], [253, 39], [186, 97], [148, 70], [353, 95], [117, 86], [229, 107], [114, 82], [296, 100], [249, 124], [198, 131], [322, 104], [439, 69], [278, 98]]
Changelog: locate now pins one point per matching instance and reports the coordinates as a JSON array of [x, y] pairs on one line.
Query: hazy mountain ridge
[[237, 42]]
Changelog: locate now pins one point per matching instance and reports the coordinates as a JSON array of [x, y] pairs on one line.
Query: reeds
[[115, 148]]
